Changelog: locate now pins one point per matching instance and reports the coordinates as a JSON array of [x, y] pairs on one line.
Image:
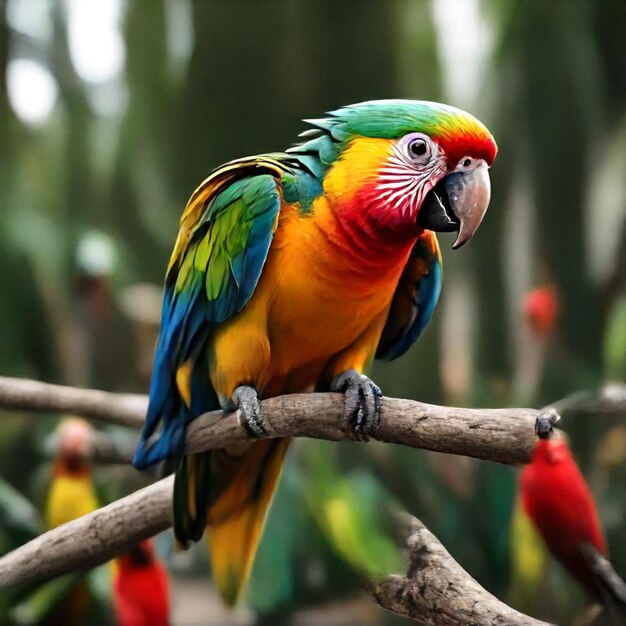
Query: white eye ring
[[418, 148]]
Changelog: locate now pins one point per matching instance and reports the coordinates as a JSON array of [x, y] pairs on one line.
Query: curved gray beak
[[458, 203]]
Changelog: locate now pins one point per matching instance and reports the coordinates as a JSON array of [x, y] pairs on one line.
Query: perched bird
[[71, 493], [291, 272], [558, 501], [539, 345], [141, 589]]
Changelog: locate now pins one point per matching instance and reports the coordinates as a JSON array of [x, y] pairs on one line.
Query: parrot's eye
[[468, 163], [418, 149]]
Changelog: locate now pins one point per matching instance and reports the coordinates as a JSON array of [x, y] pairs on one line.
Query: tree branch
[[125, 409], [92, 539], [437, 590], [609, 401], [130, 409], [503, 435]]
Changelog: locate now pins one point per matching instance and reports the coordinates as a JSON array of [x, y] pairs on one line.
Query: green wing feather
[[224, 238]]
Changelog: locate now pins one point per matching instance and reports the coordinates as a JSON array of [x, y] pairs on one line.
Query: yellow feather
[[236, 520], [528, 555], [183, 378], [69, 497], [359, 163]]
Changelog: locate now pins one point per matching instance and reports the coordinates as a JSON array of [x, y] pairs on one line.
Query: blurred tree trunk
[[143, 211], [553, 70]]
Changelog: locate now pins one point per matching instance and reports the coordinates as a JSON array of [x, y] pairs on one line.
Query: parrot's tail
[[230, 492], [611, 589]]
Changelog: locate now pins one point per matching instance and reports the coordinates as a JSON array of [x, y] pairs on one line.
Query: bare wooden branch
[[437, 590], [501, 435], [130, 409], [125, 409], [92, 539]]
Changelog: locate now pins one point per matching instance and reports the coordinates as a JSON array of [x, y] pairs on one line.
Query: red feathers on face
[[558, 501], [478, 146], [141, 588]]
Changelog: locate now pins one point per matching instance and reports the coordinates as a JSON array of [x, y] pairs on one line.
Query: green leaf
[[37, 605], [18, 517]]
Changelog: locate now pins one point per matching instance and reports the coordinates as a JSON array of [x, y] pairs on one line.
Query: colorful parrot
[[71, 495], [141, 588], [291, 272], [558, 501]]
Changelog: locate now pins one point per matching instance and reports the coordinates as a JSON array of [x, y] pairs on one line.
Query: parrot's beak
[[457, 203]]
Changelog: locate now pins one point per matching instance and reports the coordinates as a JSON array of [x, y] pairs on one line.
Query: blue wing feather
[[193, 306], [415, 299]]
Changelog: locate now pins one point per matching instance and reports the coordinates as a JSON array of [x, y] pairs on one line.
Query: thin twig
[[608, 400]]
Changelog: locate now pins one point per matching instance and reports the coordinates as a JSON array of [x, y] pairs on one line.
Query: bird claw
[[362, 402], [249, 412]]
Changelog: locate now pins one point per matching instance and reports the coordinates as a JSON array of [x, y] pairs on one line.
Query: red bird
[[557, 499], [141, 588], [541, 309]]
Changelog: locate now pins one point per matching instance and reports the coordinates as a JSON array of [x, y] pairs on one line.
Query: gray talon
[[362, 398], [249, 411]]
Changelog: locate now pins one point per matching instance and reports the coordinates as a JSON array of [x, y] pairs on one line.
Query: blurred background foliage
[[111, 112]]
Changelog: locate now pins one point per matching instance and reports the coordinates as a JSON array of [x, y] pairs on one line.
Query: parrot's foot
[[362, 396], [249, 411]]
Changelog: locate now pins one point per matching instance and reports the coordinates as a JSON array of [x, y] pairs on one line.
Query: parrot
[[141, 588], [557, 500], [290, 273], [71, 495], [541, 310]]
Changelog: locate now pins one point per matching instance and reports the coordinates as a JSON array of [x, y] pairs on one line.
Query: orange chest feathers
[[317, 297]]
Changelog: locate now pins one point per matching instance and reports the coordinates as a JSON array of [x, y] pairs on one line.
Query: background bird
[[556, 498], [70, 495], [290, 273], [141, 589]]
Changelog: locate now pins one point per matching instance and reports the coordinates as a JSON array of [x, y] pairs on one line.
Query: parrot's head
[[407, 164], [74, 444]]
